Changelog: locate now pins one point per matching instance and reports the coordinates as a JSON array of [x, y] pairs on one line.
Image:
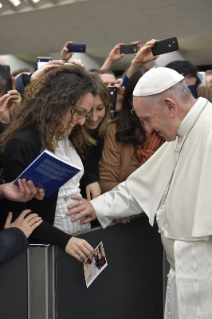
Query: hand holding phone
[[41, 60], [5, 74], [76, 47], [165, 46]]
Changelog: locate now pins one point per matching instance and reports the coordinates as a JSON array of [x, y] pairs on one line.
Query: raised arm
[[143, 56], [113, 56], [65, 55]]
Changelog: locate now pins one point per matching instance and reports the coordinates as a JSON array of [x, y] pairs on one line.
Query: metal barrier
[[46, 283]]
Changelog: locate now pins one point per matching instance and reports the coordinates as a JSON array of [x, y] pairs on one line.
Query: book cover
[[49, 171]]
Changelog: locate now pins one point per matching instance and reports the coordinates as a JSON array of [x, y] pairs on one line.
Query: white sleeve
[[115, 204]]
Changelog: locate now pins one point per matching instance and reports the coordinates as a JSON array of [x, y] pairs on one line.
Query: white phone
[[41, 60]]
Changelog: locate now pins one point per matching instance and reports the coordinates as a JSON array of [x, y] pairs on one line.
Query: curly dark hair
[[45, 101], [127, 123]]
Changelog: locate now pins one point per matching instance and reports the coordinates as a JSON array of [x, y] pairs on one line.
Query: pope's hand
[[83, 210]]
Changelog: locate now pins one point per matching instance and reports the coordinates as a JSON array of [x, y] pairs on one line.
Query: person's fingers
[[30, 217], [88, 194], [68, 43], [73, 207], [26, 189], [31, 187], [13, 82], [79, 248], [23, 214], [40, 194], [86, 220], [8, 220], [36, 224]]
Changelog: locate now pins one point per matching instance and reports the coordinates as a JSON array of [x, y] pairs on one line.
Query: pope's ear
[[171, 106]]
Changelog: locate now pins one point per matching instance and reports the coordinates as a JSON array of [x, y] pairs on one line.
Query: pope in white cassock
[[174, 187]]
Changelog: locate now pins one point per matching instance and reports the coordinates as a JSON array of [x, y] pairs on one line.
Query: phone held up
[[201, 75], [112, 90], [41, 60], [128, 48], [5, 74], [76, 47], [165, 46]]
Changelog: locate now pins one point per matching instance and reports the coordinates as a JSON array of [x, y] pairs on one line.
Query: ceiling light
[[1, 5], [15, 2]]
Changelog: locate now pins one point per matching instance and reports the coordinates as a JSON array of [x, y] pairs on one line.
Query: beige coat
[[118, 161]]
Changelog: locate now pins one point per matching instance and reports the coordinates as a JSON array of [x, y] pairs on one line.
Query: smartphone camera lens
[[173, 42]]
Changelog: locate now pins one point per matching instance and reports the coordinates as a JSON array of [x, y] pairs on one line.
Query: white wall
[[86, 60], [170, 57], [16, 63]]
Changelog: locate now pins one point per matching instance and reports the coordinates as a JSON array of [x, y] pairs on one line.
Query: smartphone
[[165, 46], [128, 48], [41, 60], [202, 78], [193, 89], [5, 74], [112, 91], [76, 47]]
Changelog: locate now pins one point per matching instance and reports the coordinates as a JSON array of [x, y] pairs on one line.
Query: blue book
[[49, 171]]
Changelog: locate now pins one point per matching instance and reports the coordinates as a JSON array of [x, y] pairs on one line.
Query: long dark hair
[[46, 101], [102, 92], [127, 123]]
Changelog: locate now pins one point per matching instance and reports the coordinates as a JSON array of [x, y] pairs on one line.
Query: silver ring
[[82, 256], [81, 202]]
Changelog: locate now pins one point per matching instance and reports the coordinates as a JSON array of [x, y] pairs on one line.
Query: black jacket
[[19, 152], [90, 161], [12, 243]]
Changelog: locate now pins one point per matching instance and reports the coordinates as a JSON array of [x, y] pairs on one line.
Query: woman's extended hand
[[80, 249], [26, 224], [93, 190], [83, 209]]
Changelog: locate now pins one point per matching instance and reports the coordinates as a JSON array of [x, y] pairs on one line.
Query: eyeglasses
[[82, 114]]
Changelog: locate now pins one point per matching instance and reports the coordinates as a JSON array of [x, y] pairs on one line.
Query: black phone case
[[76, 47], [129, 48], [165, 46], [112, 91], [5, 74]]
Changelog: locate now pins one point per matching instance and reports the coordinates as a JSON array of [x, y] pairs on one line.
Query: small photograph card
[[92, 269]]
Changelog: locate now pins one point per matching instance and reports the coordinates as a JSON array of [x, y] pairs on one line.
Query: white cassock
[[184, 216]]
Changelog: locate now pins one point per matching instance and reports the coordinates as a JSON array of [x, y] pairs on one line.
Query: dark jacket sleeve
[[12, 243], [90, 161], [21, 82], [20, 151]]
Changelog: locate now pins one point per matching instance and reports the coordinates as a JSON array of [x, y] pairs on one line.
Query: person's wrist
[[137, 64]]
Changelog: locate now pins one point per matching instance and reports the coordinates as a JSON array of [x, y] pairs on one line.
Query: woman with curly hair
[[52, 114]]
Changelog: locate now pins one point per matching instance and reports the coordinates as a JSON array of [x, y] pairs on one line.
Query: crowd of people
[[151, 155]]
